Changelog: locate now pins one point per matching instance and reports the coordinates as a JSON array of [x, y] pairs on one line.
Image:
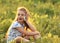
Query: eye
[[18, 14]]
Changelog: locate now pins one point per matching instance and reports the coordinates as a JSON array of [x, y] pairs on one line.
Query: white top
[[13, 32]]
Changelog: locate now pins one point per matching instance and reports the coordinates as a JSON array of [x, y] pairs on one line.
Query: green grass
[[44, 15]]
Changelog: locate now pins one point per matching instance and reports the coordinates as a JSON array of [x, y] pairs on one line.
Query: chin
[[20, 20]]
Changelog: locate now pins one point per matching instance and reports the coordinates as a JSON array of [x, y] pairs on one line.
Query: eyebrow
[[21, 14]]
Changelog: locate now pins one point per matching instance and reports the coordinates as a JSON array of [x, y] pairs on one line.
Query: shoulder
[[16, 24]]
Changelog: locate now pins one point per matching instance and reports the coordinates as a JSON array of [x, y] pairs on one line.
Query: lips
[[20, 18]]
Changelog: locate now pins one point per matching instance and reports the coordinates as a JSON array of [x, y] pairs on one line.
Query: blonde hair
[[24, 10]]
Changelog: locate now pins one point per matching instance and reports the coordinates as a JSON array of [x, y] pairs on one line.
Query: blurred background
[[45, 16]]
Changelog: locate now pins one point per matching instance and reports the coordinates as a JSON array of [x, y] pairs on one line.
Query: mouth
[[20, 19]]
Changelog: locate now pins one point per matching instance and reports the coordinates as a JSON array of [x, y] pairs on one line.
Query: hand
[[37, 36], [37, 32], [25, 18]]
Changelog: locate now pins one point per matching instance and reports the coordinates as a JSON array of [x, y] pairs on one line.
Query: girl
[[16, 31]]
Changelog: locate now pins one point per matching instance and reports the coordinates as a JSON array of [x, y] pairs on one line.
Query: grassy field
[[44, 15]]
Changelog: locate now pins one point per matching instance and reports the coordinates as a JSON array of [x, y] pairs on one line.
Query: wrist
[[27, 21]]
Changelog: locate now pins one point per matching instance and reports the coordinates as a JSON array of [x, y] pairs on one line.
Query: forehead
[[21, 12]]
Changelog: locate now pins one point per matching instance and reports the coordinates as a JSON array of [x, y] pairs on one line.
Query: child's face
[[21, 15]]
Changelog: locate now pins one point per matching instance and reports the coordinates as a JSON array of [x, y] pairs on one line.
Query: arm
[[26, 32], [31, 27]]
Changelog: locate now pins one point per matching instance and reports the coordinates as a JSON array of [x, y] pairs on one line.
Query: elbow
[[27, 34]]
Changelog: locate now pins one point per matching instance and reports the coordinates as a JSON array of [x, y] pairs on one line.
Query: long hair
[[24, 10], [26, 14]]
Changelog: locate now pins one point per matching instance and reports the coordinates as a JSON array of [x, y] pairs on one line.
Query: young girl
[[17, 29]]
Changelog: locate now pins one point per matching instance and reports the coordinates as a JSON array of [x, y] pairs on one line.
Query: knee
[[18, 40], [27, 37]]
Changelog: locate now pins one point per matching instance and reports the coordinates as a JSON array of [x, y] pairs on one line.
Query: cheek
[[22, 17], [18, 17]]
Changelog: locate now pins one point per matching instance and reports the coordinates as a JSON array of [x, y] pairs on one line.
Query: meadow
[[44, 15]]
